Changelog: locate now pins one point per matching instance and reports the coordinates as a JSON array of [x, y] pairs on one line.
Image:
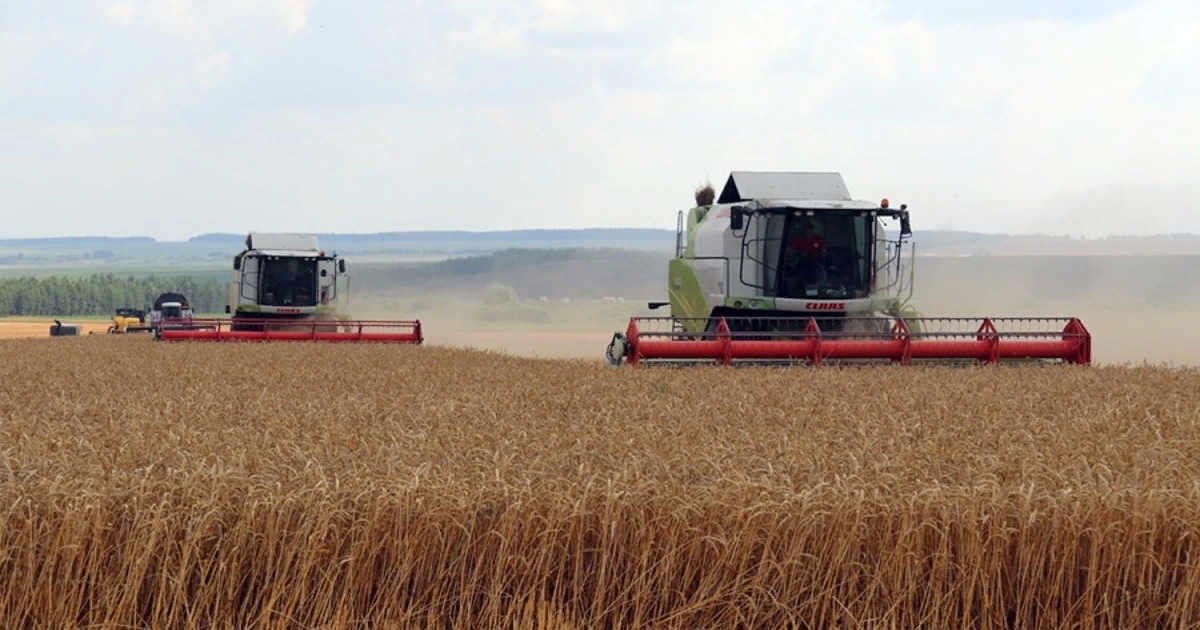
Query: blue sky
[[171, 118]]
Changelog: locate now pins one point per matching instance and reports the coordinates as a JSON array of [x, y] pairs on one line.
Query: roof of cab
[[816, 204], [795, 186]]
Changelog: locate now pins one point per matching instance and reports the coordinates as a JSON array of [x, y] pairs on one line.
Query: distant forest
[[102, 294], [576, 273], [385, 276]]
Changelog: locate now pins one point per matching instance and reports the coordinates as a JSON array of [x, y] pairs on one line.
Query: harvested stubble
[[298, 486]]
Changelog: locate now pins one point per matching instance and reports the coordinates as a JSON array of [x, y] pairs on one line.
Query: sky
[[171, 118]]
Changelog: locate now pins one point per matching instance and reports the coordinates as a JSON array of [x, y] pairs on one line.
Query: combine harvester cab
[[787, 267], [286, 288]]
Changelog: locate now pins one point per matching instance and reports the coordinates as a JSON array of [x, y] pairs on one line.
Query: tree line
[[503, 263], [102, 294]]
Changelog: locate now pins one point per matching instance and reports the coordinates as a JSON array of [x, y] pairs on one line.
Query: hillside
[[427, 240], [216, 250], [555, 273]]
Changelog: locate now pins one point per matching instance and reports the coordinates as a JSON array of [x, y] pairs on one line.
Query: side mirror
[[227, 309], [905, 226], [237, 263], [737, 220], [341, 265]]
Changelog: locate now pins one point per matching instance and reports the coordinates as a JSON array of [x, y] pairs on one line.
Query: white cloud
[[1184, 41], [16, 52], [488, 37], [638, 105], [749, 40], [177, 18], [293, 14], [884, 47], [578, 15], [436, 77], [119, 13], [1017, 125], [200, 22], [879, 58], [213, 66], [918, 37]]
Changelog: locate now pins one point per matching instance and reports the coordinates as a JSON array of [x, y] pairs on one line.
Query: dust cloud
[[1135, 307], [575, 329]]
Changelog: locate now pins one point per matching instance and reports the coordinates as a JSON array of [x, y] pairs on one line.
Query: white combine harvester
[[286, 277], [286, 288], [789, 267]]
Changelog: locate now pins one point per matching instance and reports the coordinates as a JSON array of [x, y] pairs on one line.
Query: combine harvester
[[786, 267], [171, 306], [286, 288]]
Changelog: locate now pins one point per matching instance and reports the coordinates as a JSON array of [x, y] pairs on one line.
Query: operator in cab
[[809, 248]]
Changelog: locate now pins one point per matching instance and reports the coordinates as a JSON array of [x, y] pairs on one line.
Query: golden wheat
[[297, 486]]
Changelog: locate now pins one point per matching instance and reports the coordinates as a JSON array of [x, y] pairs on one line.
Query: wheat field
[[148, 485]]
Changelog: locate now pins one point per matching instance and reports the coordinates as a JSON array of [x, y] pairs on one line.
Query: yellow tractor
[[129, 320]]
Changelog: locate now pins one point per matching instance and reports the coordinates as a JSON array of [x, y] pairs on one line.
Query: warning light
[[884, 203]]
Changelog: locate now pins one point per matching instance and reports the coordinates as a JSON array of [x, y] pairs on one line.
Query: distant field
[[322, 486], [39, 327], [27, 329], [41, 271]]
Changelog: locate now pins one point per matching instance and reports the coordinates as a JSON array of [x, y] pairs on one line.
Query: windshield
[[288, 282], [824, 256]]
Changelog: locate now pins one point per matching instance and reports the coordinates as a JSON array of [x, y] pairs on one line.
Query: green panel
[[696, 216], [683, 289], [908, 313], [893, 308]]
